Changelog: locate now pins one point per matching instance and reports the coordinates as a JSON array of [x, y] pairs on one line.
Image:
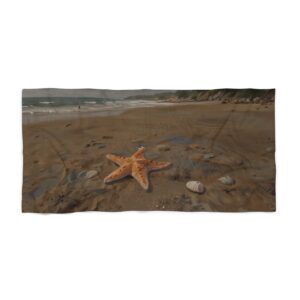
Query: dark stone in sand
[[44, 187], [183, 140], [81, 174], [99, 145], [72, 176], [107, 137], [67, 125], [87, 145]]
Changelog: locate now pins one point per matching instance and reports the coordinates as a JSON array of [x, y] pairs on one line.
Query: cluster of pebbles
[[198, 187]]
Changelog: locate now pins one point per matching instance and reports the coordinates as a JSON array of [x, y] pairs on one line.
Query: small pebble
[[91, 174], [227, 180], [101, 146]]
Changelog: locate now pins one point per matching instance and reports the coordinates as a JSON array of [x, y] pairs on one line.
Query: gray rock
[[100, 145], [227, 180], [82, 174], [72, 176]]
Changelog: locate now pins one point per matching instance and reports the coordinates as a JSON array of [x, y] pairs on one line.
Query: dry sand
[[240, 137]]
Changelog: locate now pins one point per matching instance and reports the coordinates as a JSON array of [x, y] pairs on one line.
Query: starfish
[[136, 165]]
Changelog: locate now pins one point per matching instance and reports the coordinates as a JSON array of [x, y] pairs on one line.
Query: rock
[[227, 180], [91, 174], [208, 156], [72, 176], [107, 137], [82, 174], [67, 125], [99, 145], [162, 147], [195, 186], [87, 145]]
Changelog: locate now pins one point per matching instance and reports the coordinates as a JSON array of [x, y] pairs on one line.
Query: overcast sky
[[93, 93]]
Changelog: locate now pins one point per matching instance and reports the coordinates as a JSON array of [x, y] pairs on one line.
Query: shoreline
[[72, 112], [85, 111]]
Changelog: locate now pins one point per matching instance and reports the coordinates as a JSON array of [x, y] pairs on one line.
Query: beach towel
[[148, 150]]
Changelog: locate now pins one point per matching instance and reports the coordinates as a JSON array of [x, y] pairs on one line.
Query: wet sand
[[203, 142]]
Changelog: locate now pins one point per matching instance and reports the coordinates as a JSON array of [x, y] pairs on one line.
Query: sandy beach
[[202, 141]]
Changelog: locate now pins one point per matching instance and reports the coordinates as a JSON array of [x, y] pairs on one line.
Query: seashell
[[195, 186], [91, 174], [227, 180]]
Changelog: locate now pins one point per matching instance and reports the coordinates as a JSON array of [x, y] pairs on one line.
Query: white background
[[161, 45]]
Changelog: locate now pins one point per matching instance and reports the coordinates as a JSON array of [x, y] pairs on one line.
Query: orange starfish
[[136, 165]]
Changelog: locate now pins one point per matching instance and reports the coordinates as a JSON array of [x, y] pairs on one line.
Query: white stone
[[195, 186]]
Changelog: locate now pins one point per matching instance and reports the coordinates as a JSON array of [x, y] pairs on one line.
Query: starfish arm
[[139, 154], [119, 160], [139, 172], [156, 165], [121, 172]]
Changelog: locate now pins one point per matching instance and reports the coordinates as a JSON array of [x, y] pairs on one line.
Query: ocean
[[37, 109]]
